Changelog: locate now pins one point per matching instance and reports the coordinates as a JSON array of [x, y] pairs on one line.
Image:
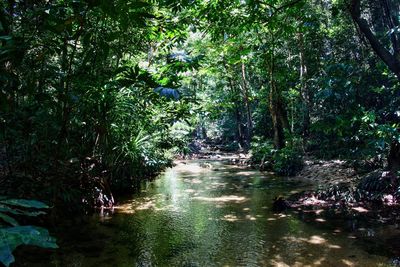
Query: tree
[[388, 11]]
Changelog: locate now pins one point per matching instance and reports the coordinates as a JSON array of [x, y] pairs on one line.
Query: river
[[210, 213]]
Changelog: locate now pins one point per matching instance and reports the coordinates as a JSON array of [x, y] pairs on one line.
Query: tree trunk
[[279, 139], [391, 21], [274, 103], [391, 61], [276, 106], [239, 133], [249, 123], [238, 117], [304, 91], [394, 157]]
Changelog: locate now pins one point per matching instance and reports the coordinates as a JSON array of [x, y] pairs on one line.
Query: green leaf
[[8, 219], [12, 237], [25, 203], [6, 38], [20, 212]]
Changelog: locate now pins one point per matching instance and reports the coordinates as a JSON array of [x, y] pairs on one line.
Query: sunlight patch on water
[[230, 218], [191, 168], [190, 191], [193, 181], [221, 215], [316, 240], [125, 208], [147, 205], [360, 209], [251, 218], [348, 263], [247, 173], [230, 198]]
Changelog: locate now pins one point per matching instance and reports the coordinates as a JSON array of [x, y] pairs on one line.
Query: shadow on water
[[207, 213]]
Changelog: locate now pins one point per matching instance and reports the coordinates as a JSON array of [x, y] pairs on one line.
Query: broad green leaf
[[25, 203], [12, 237], [8, 219], [14, 211], [6, 38]]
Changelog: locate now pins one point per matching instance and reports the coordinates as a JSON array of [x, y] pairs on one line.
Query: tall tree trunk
[[276, 108], [391, 60], [391, 21], [63, 94], [249, 123], [238, 116], [394, 156], [304, 90], [279, 139]]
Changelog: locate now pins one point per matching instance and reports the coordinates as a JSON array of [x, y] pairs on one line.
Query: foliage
[[374, 189], [14, 235], [83, 109], [322, 91], [98, 95], [375, 185], [261, 151], [288, 161]]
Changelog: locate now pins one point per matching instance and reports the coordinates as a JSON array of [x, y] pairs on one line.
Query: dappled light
[[245, 173], [360, 209], [192, 168], [230, 198], [147, 205], [193, 181], [230, 218], [199, 133], [125, 208], [323, 253], [179, 207]]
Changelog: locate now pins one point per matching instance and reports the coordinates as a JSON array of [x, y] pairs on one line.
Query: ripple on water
[[220, 215]]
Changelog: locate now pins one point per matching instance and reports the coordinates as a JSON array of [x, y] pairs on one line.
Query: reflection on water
[[213, 214]]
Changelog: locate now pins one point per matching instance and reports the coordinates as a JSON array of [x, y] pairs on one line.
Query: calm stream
[[207, 213]]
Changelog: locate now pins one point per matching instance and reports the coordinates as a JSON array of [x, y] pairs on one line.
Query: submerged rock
[[280, 204]]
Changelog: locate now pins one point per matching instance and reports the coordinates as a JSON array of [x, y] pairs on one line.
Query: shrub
[[261, 151], [288, 161], [232, 146]]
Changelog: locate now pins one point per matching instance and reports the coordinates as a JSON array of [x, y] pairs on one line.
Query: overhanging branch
[[389, 59]]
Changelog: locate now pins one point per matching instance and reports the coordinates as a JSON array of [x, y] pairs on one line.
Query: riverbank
[[328, 172], [336, 183], [368, 203]]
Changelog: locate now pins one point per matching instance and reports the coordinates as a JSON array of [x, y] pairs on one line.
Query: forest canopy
[[115, 88]]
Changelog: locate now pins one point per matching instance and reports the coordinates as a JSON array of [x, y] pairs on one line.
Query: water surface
[[207, 213]]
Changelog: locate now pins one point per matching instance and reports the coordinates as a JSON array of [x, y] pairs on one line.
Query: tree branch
[[389, 59]]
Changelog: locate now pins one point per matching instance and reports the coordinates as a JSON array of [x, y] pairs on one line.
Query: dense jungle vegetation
[[97, 95]]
